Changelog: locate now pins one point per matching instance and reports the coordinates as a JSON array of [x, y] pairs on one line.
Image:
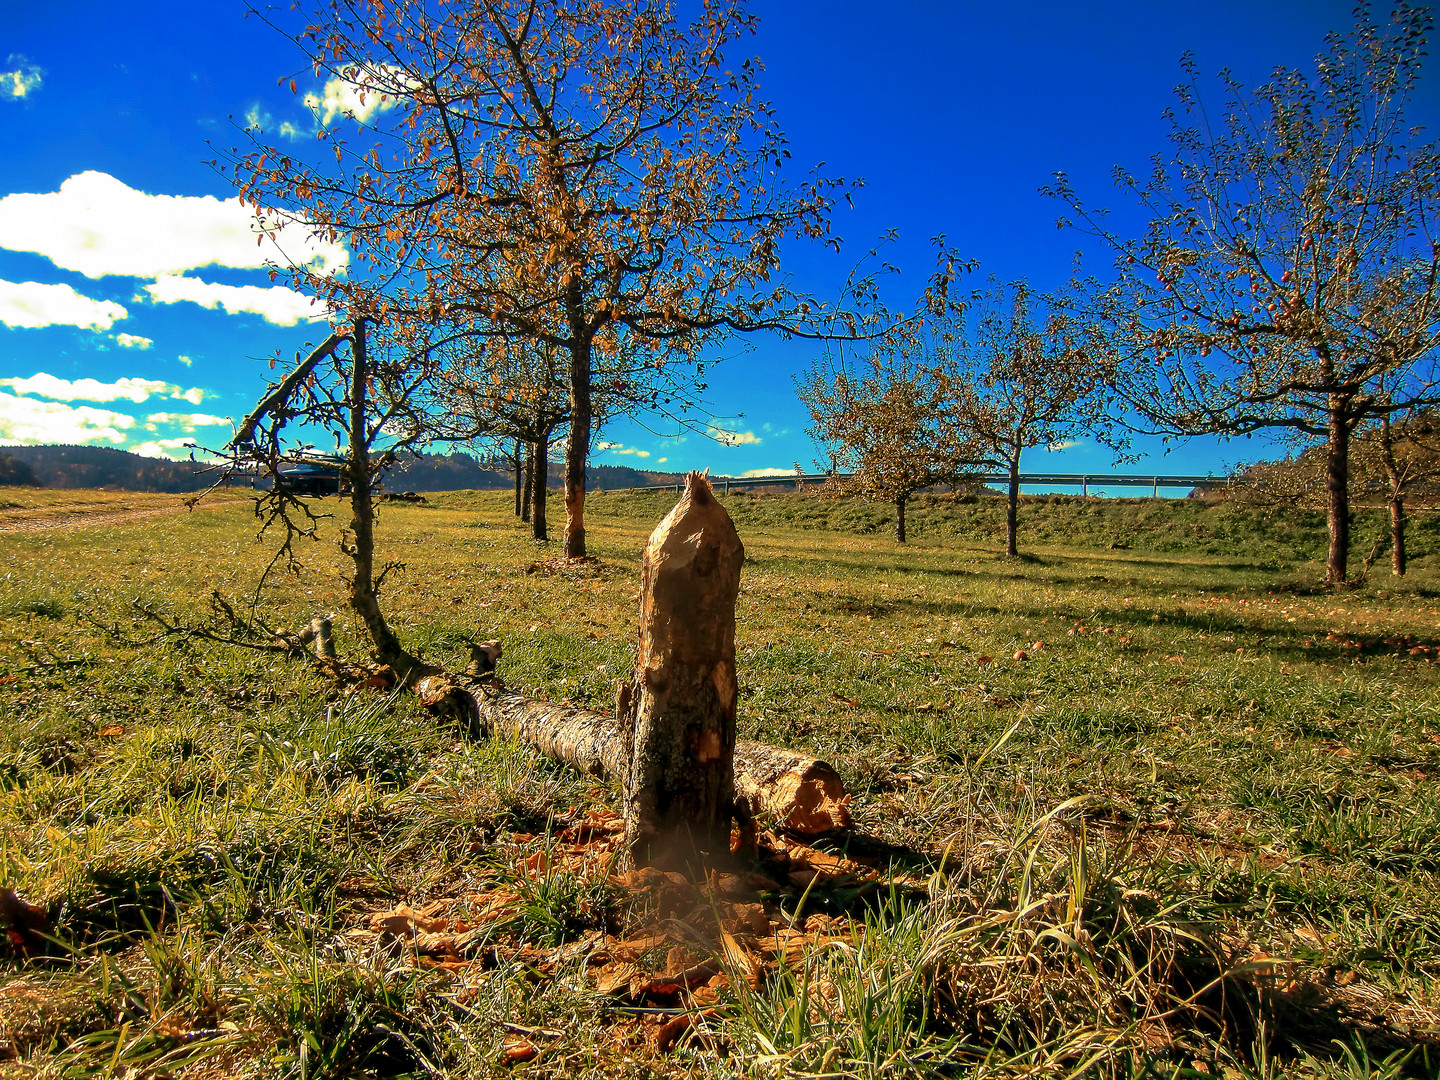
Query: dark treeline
[[102, 467]]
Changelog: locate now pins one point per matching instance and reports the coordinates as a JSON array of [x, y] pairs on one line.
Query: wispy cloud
[[357, 93], [276, 304], [733, 438], [128, 389], [257, 119], [1063, 444], [768, 472], [164, 448], [20, 79], [618, 448], [31, 304], [25, 420], [184, 421]]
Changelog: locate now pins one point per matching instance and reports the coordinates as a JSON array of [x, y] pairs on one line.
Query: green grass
[[1210, 765]]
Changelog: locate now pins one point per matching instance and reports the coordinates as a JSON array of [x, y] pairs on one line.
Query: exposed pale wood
[[784, 789], [324, 640], [680, 724], [790, 791]]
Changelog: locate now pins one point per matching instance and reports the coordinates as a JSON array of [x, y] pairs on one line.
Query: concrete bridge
[[1084, 481]]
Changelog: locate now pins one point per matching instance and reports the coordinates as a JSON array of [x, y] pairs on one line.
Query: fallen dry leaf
[[668, 1034], [25, 924], [518, 1051]]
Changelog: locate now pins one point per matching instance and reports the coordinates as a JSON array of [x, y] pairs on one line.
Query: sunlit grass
[[1254, 761]]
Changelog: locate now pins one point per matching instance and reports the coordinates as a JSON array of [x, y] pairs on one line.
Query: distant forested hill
[[16, 473], [102, 467], [457, 472]]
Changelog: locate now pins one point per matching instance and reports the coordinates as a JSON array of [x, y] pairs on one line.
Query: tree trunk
[[1012, 508], [1337, 491], [529, 498], [577, 450], [1397, 533], [679, 719], [363, 599], [1396, 477], [519, 481], [900, 519], [781, 788], [540, 528]]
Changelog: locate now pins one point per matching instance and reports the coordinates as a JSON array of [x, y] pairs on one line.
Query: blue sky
[[134, 310]]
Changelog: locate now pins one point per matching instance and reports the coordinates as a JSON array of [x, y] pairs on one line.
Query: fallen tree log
[[776, 787]]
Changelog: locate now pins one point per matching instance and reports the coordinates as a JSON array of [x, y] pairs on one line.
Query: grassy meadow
[[1147, 801]]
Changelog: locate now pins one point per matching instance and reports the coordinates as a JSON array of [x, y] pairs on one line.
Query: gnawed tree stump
[[778, 788], [679, 717], [671, 742]]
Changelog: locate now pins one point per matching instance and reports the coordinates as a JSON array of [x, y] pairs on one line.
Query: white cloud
[[661, 460], [185, 421], [733, 438], [768, 472], [290, 131], [133, 341], [185, 360], [97, 225], [276, 304], [351, 93], [24, 420], [30, 304], [629, 450], [1064, 444], [22, 80], [255, 120], [136, 390], [163, 448]]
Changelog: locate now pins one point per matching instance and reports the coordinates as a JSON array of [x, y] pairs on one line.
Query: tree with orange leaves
[[599, 177]]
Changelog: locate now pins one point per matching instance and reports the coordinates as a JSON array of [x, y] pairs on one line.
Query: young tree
[[599, 177], [367, 399], [1291, 263], [888, 422], [512, 390], [1023, 372]]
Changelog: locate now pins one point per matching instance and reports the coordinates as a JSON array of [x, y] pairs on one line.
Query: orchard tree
[[1400, 456], [1395, 458], [1021, 372], [511, 390], [888, 424], [1289, 277], [599, 177]]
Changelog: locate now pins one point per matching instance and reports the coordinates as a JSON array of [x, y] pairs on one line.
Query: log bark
[[776, 787], [679, 722]]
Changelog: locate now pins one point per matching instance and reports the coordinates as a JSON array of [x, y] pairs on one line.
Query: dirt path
[[85, 516]]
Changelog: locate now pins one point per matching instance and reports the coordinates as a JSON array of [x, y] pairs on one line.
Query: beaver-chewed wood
[[779, 788], [679, 720]]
